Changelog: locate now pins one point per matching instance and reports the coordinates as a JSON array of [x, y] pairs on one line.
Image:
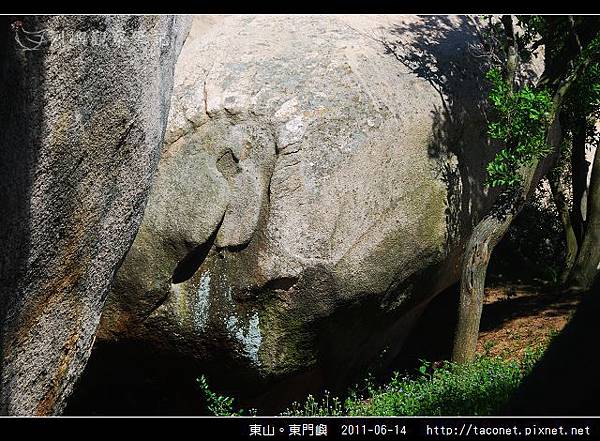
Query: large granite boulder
[[84, 102], [320, 177]]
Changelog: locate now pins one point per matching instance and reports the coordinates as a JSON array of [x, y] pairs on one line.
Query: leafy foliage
[[218, 405], [524, 113], [523, 119]]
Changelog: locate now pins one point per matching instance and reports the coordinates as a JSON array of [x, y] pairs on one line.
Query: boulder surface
[[320, 177], [84, 102]]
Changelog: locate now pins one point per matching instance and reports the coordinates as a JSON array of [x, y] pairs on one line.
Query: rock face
[[319, 180], [83, 107]]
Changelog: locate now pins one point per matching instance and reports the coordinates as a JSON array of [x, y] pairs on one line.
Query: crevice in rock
[[188, 266], [206, 99], [269, 190], [236, 248], [228, 165], [126, 134], [288, 150], [281, 283], [157, 305]]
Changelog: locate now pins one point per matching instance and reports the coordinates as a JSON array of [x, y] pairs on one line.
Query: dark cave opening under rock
[[133, 378]]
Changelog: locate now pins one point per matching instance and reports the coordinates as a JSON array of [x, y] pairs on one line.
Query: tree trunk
[[557, 179], [586, 266], [579, 176], [484, 238], [486, 235]]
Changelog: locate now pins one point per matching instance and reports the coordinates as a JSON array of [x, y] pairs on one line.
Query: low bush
[[480, 387]]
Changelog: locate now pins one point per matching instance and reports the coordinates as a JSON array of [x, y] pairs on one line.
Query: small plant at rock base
[[326, 406], [219, 405]]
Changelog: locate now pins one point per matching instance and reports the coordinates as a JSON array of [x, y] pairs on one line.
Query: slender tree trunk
[[579, 176], [557, 178], [484, 238], [585, 269], [486, 235]]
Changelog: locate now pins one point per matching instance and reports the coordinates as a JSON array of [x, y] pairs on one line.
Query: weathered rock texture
[[82, 119], [319, 180]]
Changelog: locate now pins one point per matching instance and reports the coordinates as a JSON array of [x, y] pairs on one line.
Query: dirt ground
[[521, 316]]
